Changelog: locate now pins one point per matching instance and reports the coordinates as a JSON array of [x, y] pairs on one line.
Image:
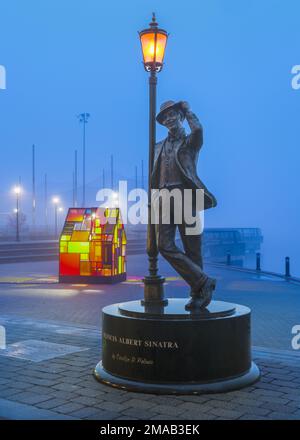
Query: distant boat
[[238, 242]]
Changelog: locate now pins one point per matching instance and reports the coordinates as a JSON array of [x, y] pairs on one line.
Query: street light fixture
[[153, 42], [17, 191]]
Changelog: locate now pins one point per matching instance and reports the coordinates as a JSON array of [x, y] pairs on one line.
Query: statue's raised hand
[[185, 106]]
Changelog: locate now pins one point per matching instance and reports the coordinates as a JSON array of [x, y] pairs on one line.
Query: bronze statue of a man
[[174, 166]]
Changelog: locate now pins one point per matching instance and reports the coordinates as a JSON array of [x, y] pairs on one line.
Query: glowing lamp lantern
[[153, 41]]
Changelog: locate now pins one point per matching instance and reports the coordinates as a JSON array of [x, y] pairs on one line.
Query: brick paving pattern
[[63, 387]]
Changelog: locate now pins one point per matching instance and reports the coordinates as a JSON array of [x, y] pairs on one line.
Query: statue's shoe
[[202, 298], [195, 303], [207, 291]]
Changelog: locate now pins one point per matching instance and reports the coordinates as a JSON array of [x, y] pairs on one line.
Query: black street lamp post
[[55, 201], [153, 41], [83, 118], [17, 192]]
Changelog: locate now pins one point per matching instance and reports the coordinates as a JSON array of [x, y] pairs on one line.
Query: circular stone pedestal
[[168, 350]]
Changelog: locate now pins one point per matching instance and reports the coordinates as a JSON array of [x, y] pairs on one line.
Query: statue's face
[[172, 119]]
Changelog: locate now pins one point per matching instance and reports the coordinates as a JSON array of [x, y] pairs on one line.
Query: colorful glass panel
[[69, 264], [80, 236], [77, 247], [75, 214]]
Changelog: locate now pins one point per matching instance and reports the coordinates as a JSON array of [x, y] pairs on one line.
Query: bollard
[[2, 338], [228, 260], [287, 267], [258, 261]]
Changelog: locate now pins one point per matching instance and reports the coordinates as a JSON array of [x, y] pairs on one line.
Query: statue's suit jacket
[[187, 149]]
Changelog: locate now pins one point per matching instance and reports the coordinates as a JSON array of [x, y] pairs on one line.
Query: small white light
[[55, 200]]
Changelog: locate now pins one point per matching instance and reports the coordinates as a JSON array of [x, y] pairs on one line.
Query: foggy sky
[[231, 60]]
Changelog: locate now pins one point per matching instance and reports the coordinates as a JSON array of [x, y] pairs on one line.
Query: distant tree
[[12, 220]]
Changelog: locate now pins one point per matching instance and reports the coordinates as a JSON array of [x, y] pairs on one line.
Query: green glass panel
[[77, 247]]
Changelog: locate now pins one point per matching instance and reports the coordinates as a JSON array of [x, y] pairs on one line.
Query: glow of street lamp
[[55, 200], [17, 190]]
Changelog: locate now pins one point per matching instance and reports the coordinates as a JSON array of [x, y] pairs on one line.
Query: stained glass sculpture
[[92, 246]]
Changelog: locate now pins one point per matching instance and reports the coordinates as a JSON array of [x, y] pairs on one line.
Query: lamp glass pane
[[160, 47], [147, 41], [148, 46]]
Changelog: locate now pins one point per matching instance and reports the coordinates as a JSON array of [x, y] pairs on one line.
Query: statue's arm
[[196, 136]]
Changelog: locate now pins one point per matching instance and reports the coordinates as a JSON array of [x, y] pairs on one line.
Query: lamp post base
[[154, 290]]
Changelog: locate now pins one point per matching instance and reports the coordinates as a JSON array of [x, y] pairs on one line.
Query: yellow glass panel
[[84, 257], [80, 236], [97, 253], [65, 237], [78, 247], [63, 248], [120, 264]]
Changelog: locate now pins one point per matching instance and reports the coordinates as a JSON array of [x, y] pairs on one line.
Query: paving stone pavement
[[64, 387]]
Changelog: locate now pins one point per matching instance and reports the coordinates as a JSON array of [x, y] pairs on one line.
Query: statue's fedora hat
[[166, 106]]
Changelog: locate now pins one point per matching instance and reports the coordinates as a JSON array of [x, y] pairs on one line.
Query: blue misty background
[[231, 60]]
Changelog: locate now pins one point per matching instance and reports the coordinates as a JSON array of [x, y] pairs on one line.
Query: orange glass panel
[[80, 236], [85, 268], [75, 215], [106, 272], [151, 52]]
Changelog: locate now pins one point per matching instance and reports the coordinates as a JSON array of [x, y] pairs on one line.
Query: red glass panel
[[69, 264]]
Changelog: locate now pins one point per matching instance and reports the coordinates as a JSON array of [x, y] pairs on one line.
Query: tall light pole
[[142, 174], [46, 201], [55, 201], [75, 179], [136, 177], [17, 191], [83, 118], [59, 209], [112, 172], [153, 42], [33, 187]]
